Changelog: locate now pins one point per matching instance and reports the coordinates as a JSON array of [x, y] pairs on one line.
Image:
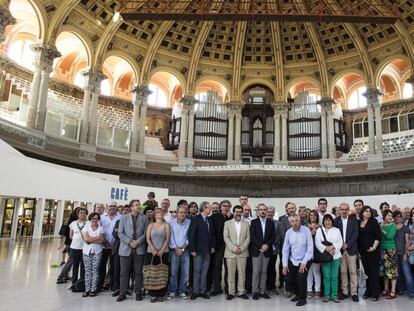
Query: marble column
[[43, 63], [230, 137], [15, 221], [324, 140], [278, 109], [133, 144], [190, 142], [284, 136], [38, 221], [237, 136], [5, 19], [2, 211], [327, 128], [87, 96], [95, 79], [143, 92], [183, 132], [59, 216], [374, 113]]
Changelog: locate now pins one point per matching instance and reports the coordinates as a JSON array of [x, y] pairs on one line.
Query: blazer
[[201, 240], [126, 231], [218, 221], [230, 239], [116, 242], [352, 232], [257, 239]]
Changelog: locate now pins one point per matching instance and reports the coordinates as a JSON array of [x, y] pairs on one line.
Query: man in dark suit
[[262, 238], [218, 220], [201, 240], [349, 231]]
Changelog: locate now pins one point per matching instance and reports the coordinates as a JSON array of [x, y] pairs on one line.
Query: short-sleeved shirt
[[400, 240], [77, 240], [93, 248]]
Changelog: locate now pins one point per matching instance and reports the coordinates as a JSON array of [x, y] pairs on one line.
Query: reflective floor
[[28, 282]]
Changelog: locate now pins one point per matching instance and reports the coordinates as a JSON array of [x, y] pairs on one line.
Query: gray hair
[[203, 205], [271, 208], [293, 216]]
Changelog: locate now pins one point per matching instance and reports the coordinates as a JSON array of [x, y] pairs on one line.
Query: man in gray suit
[[132, 233]]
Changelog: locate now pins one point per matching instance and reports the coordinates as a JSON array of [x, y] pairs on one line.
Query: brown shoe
[[138, 297]]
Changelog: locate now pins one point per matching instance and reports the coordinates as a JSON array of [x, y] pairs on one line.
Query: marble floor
[[27, 282]]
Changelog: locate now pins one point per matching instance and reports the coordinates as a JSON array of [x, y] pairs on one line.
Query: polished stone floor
[[27, 282]]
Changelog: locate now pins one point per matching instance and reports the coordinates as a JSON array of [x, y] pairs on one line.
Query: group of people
[[320, 254]]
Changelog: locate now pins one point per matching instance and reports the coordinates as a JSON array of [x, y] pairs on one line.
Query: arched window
[[407, 90], [357, 100], [157, 97], [79, 80], [21, 53]]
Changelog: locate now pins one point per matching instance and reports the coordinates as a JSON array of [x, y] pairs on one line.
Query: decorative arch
[[41, 15], [343, 73], [295, 81], [172, 71], [225, 83], [251, 82], [128, 58], [83, 37], [387, 61]]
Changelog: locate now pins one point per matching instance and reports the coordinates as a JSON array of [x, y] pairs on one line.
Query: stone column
[[44, 56], [87, 96], [230, 137], [183, 132], [327, 128], [278, 109], [95, 79], [59, 216], [38, 221], [375, 137], [143, 92], [234, 139], [284, 136], [324, 139], [2, 211], [331, 134], [5, 19], [133, 144], [15, 221], [188, 107]]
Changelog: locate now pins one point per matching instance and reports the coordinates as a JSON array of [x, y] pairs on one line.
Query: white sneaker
[[170, 296], [183, 296]]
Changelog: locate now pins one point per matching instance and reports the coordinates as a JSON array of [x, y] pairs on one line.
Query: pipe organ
[[304, 128], [210, 127], [174, 133]]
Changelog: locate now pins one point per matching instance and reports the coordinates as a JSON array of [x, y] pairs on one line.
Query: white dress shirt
[[263, 222], [344, 225]]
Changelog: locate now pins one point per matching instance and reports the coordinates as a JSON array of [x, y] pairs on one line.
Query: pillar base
[[279, 162], [328, 163], [233, 162], [87, 152], [37, 140], [375, 162], [137, 160], [185, 162]]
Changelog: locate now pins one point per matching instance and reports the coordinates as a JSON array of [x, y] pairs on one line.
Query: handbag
[[411, 258], [155, 276], [322, 257]]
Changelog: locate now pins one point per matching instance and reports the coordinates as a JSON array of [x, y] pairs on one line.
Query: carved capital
[[280, 108], [372, 95], [140, 93], [235, 107], [188, 102], [326, 104], [45, 54], [93, 79]]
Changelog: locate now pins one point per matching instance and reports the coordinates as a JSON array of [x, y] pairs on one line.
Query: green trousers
[[330, 273]]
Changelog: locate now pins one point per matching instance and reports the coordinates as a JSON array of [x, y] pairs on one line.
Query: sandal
[[391, 295], [385, 293]]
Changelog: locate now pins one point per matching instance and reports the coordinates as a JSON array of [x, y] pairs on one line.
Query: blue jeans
[[405, 267], [182, 264]]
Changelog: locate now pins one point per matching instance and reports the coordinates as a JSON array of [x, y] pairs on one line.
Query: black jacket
[[257, 239], [201, 240], [218, 221], [352, 232]]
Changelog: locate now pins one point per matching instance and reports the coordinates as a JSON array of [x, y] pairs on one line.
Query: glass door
[[27, 217], [7, 218], [49, 217]]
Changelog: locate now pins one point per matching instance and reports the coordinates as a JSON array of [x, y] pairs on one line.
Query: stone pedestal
[[375, 162], [87, 152], [328, 163], [186, 162], [137, 160]]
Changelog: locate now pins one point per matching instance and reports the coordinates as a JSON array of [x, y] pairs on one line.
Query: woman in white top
[[93, 236], [330, 270], [76, 246]]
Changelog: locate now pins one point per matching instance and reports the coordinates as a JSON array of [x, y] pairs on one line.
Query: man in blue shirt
[[179, 254], [297, 258]]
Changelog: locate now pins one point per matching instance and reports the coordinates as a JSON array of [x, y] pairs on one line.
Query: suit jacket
[[278, 240], [116, 242], [230, 239], [284, 227], [218, 221], [126, 232], [257, 239], [201, 240], [352, 231]]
